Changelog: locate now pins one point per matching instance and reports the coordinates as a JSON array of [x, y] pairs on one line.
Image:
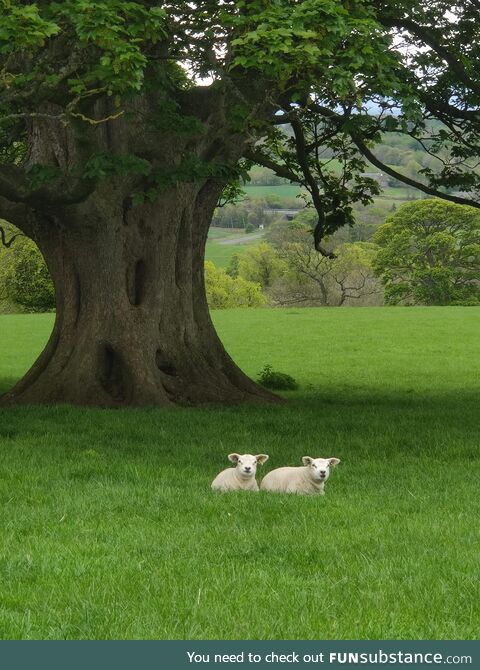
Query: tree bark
[[132, 322]]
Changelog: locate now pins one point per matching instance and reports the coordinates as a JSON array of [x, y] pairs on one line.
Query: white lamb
[[242, 477], [306, 480]]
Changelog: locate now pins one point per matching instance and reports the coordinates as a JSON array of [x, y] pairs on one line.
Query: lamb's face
[[319, 468], [247, 464]]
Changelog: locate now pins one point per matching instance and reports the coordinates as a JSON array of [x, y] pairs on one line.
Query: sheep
[[306, 480], [242, 477]]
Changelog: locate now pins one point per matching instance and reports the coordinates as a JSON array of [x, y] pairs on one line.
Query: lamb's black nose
[[247, 469], [323, 473]]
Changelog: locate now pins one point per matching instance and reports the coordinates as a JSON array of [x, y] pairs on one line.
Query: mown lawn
[[109, 528]]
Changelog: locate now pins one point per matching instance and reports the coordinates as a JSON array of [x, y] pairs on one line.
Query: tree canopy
[[430, 254], [123, 124], [340, 74]]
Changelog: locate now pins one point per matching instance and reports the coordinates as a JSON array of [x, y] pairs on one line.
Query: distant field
[[400, 194], [283, 191], [109, 528], [220, 253], [291, 191]]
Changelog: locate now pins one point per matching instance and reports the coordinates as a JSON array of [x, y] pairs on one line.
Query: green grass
[[401, 193], [290, 191], [282, 191], [215, 233], [219, 253], [109, 528]]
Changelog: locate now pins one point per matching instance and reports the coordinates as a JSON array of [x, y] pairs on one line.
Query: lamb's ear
[[261, 458], [307, 460], [233, 457], [334, 461]]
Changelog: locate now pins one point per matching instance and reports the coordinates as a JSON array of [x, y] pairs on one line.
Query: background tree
[[240, 214], [24, 278], [311, 278], [353, 273], [224, 291], [261, 264], [430, 254], [113, 158]]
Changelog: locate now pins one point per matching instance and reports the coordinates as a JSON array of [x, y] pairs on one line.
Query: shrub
[[232, 267], [25, 279], [278, 381], [224, 291]]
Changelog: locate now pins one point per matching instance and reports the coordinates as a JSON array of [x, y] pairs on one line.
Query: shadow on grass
[[345, 395], [355, 420]]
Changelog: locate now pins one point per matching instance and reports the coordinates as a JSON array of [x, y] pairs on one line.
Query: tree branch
[[431, 38], [365, 151], [311, 185], [3, 238], [257, 156], [12, 183], [18, 214], [65, 190], [370, 156]]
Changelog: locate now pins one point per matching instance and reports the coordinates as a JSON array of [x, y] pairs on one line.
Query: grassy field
[[109, 528], [223, 243], [292, 190], [283, 191]]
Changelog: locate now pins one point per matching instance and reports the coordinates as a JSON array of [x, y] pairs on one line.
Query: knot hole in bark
[[112, 373], [164, 365], [136, 282]]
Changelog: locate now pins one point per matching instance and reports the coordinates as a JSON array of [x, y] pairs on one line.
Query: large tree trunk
[[132, 325]]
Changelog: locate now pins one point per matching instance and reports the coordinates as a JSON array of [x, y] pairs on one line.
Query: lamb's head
[[247, 464], [319, 468]]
